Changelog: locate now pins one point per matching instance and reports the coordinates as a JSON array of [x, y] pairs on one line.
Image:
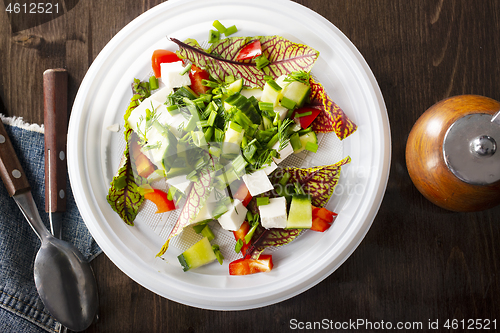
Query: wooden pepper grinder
[[453, 153]]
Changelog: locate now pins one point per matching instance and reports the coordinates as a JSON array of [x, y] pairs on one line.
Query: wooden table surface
[[417, 264]]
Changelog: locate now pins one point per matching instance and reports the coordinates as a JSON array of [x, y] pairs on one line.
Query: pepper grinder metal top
[[452, 153]]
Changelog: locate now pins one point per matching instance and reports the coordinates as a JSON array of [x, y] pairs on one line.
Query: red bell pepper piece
[[162, 56], [250, 51], [143, 165], [322, 218], [240, 234], [160, 199], [196, 75], [243, 194], [305, 121], [246, 266]]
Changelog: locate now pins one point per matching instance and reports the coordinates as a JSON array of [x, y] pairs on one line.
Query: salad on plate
[[206, 134]]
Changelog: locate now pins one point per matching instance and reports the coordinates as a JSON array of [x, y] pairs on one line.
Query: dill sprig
[[283, 137]]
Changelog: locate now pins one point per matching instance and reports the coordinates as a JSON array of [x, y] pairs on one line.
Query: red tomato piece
[[160, 57], [243, 194], [160, 199], [305, 121], [250, 51], [246, 266], [240, 234], [196, 75]]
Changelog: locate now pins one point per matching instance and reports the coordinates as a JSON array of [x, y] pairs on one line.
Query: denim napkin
[[21, 309]]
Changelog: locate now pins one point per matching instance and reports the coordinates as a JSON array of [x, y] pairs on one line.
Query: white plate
[[93, 152]]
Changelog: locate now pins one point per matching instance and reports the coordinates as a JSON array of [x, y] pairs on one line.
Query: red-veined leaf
[[332, 118]]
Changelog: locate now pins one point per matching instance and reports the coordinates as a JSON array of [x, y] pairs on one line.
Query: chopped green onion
[[218, 254], [202, 123], [311, 146], [295, 141], [303, 114], [208, 83], [238, 246], [274, 85], [249, 235], [209, 132], [219, 26], [173, 109], [199, 227], [273, 141], [261, 61], [207, 232], [219, 135], [211, 117], [239, 164], [186, 69], [213, 36], [262, 201], [153, 83], [288, 103], [266, 106], [235, 127], [230, 30]]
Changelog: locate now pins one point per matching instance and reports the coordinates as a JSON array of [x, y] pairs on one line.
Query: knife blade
[[55, 91]]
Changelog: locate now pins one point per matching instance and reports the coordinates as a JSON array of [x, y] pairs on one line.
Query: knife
[[55, 101]]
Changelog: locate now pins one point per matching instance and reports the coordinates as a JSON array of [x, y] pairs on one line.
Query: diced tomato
[[142, 163], [240, 234], [322, 218], [196, 75], [305, 121], [250, 51], [160, 199], [246, 266], [162, 56], [243, 194]]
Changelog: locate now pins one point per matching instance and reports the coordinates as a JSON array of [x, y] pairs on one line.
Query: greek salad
[[214, 124]]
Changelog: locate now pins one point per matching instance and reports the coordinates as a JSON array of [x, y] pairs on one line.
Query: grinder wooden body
[[426, 162]]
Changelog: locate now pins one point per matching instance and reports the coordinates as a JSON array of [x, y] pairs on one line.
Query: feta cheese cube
[[284, 153], [234, 217], [282, 111], [162, 94], [257, 182], [180, 182], [270, 168], [171, 77], [137, 118], [273, 215]]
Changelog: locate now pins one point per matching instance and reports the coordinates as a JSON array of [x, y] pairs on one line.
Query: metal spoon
[[64, 279]]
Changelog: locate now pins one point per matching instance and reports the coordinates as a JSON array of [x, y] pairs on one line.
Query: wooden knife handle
[[55, 102], [12, 173]]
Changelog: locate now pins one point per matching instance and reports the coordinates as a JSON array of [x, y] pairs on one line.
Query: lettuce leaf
[[219, 60], [319, 182], [331, 118]]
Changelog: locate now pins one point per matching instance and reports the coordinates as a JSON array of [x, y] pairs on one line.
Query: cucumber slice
[[255, 92], [298, 92], [304, 139], [201, 253], [300, 214], [236, 86], [271, 93]]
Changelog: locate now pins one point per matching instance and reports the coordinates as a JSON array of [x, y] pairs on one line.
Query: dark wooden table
[[418, 263]]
